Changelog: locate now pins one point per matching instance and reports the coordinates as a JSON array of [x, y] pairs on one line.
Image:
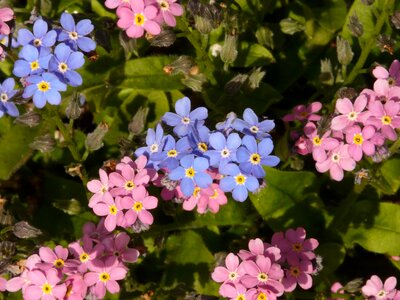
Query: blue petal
[[181, 130], [199, 113], [258, 171], [84, 27], [246, 167], [8, 85], [227, 184], [230, 169], [67, 22], [40, 28], [240, 193], [217, 140], [53, 64], [242, 154], [21, 68], [73, 78], [44, 61], [266, 125], [53, 97], [29, 53], [159, 134], [215, 157], [265, 147], [75, 60], [177, 173], [62, 52], [252, 183], [233, 141], [203, 180], [187, 187], [182, 107], [86, 44], [150, 137], [251, 144], [29, 91], [12, 110], [200, 164], [49, 39], [63, 36], [187, 161], [250, 117], [39, 99], [239, 124], [171, 119], [24, 36], [270, 161]]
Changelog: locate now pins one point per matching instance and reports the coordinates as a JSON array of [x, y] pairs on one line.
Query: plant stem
[[387, 9]]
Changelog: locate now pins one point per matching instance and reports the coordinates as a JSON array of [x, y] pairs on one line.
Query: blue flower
[[6, 93], [184, 120], [251, 126], [172, 152], [75, 35], [251, 156], [4, 40], [44, 87], [33, 61], [155, 141], [237, 182], [191, 172], [224, 149], [64, 62], [41, 37], [226, 126], [198, 139]]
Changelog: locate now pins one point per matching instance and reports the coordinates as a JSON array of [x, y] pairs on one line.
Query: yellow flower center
[[240, 179], [216, 194], [255, 158], [172, 153], [43, 86], [62, 67], [59, 263], [129, 185], [3, 41], [104, 277], [137, 206], [164, 5], [84, 257], [262, 296], [139, 19], [190, 172], [241, 297], [35, 65], [46, 289], [113, 210], [262, 277], [358, 139], [386, 120], [297, 247], [196, 191], [295, 271], [317, 141], [202, 147]]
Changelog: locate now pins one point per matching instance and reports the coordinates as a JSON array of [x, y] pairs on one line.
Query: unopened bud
[[264, 37], [326, 75], [94, 140], [396, 19], [229, 51], [215, 50], [44, 143], [136, 125], [138, 226], [7, 249], [125, 147], [30, 119], [165, 39], [74, 169], [23, 230], [354, 285], [344, 52], [73, 110], [203, 25], [255, 78], [181, 65], [290, 26], [355, 26], [195, 82], [361, 175], [386, 43], [296, 163], [347, 92], [234, 85]]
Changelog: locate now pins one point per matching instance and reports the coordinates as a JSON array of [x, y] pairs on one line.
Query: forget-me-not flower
[[224, 148], [32, 61], [6, 93], [41, 36], [172, 152], [251, 126]]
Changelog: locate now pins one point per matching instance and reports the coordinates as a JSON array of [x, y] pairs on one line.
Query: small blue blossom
[[32, 61], [251, 126], [191, 172], [64, 62], [226, 126], [237, 182], [155, 141], [44, 87], [184, 120], [6, 93], [198, 139], [253, 156], [172, 152], [224, 148], [4, 40], [75, 35], [41, 36]]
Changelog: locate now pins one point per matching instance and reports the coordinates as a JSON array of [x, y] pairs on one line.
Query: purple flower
[[237, 182], [198, 139], [224, 148], [33, 61], [191, 172], [250, 125], [155, 141], [118, 247], [375, 289], [184, 119], [252, 156], [298, 273], [6, 93], [64, 62], [41, 36], [44, 87], [75, 35]]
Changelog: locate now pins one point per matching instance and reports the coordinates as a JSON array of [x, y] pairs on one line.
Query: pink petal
[[232, 262], [110, 223], [118, 273], [339, 122], [347, 164], [323, 166], [380, 72], [381, 87], [47, 255], [146, 217], [220, 274], [256, 246], [150, 202], [152, 27], [360, 103], [305, 281], [33, 292], [390, 284], [101, 209], [344, 106], [6, 14], [336, 172], [112, 286], [368, 148], [126, 17]]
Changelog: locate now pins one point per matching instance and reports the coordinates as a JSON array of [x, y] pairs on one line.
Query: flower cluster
[[88, 267], [359, 128], [266, 271], [121, 197], [139, 16]]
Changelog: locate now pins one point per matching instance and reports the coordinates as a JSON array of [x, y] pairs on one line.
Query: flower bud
[[386, 43], [165, 39], [181, 65], [395, 19], [355, 26], [290, 26], [203, 25], [234, 85], [73, 110], [23, 230], [195, 82], [361, 175], [326, 75], [7, 249], [126, 147], [344, 52], [347, 92], [255, 77], [264, 37], [30, 119], [44, 143], [136, 125], [94, 140], [228, 51], [354, 285]]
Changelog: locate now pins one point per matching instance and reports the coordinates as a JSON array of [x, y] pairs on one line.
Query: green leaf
[[388, 180], [100, 10], [158, 104], [182, 247], [287, 200], [375, 226], [252, 54], [146, 74], [69, 206], [14, 147], [333, 255]]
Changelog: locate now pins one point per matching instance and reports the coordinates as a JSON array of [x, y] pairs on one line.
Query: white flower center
[[154, 148], [3, 97], [352, 116], [225, 153]]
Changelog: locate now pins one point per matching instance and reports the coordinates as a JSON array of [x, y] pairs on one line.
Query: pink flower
[[126, 182], [338, 160], [76, 288], [44, 285], [118, 247], [99, 187], [3, 284], [116, 3], [303, 145], [93, 233], [349, 113], [138, 206], [22, 281], [6, 14], [56, 258], [298, 273], [111, 210], [302, 112], [360, 141], [236, 291], [375, 289], [384, 117], [85, 253], [211, 199], [319, 144], [337, 288], [138, 18], [104, 275], [257, 247], [231, 273], [168, 10]]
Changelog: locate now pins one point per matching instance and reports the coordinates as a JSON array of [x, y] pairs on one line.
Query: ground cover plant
[[164, 149]]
